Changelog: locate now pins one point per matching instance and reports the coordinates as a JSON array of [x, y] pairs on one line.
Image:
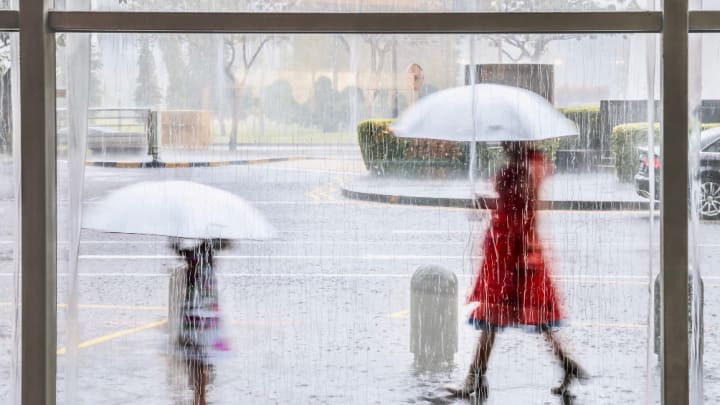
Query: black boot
[[475, 383], [573, 371]]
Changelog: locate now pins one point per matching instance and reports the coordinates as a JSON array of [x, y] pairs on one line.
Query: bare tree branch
[[231, 61], [257, 52]]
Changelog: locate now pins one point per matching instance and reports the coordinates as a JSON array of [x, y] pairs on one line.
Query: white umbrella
[[178, 208], [483, 112]]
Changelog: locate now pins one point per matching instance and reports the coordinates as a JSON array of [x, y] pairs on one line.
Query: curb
[[491, 203], [169, 165]]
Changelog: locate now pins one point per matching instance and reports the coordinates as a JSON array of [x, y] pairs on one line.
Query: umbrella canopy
[[501, 113], [178, 208]]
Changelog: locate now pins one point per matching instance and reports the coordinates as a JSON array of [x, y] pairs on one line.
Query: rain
[[347, 218]]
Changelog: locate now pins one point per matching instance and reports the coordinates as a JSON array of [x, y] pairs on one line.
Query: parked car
[[708, 173]]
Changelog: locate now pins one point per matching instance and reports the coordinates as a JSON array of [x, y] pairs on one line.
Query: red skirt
[[513, 286]]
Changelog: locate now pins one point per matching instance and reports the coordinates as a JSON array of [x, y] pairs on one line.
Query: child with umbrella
[[186, 210], [200, 339]]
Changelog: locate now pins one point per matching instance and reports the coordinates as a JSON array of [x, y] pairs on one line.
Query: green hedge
[[625, 140], [377, 144], [587, 119], [384, 153]]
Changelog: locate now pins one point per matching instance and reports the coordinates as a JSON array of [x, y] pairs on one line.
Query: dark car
[[708, 173]]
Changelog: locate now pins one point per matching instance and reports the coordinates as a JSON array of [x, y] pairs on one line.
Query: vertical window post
[[38, 219], [674, 208]]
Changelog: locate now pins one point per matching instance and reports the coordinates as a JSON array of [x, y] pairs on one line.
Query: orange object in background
[[186, 128]]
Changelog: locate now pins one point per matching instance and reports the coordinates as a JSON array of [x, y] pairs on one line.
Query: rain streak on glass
[[704, 151], [10, 214], [379, 248]]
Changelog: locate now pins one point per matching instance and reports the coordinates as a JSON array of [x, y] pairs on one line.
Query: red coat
[[513, 285]]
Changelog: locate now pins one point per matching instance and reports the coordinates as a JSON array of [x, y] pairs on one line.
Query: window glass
[[375, 235], [705, 210], [705, 5], [10, 214], [714, 147]]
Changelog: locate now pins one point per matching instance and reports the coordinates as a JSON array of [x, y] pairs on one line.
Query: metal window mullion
[[389, 23], [38, 219], [674, 207], [704, 21], [38, 151], [9, 20]]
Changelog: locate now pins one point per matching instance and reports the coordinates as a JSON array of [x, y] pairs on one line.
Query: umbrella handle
[[471, 167]]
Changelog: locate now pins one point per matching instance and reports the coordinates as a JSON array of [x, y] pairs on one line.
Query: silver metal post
[[365, 22], [38, 211], [674, 206]]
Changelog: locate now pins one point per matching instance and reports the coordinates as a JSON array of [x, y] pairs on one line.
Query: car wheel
[[710, 198]]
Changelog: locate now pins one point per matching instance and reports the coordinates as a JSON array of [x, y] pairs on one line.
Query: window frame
[[37, 25]]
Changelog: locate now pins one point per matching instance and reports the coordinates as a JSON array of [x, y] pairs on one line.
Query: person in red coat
[[513, 286]]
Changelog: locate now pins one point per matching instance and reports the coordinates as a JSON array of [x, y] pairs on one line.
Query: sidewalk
[[566, 191], [214, 156], [597, 191]]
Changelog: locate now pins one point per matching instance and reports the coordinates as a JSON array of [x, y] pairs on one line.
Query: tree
[[279, 102], [350, 106], [147, 92], [532, 47], [6, 125], [241, 53], [380, 47], [5, 88], [322, 105], [176, 92], [96, 65]]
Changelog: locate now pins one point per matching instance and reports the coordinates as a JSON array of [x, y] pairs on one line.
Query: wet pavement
[[221, 154], [584, 191], [320, 315]]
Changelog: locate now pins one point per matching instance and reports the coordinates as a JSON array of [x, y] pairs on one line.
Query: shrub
[[587, 119], [350, 104], [321, 106], [279, 103], [491, 157], [377, 145], [625, 140], [383, 153]]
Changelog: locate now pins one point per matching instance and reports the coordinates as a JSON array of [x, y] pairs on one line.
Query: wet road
[[320, 315]]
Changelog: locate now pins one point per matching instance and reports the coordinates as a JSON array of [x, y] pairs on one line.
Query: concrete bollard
[[698, 329], [433, 314]]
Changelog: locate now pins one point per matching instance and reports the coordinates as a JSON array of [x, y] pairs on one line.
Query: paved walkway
[[598, 191], [566, 191], [219, 155]]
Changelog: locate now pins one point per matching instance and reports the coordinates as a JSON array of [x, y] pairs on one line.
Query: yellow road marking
[[400, 314], [127, 165], [115, 335], [325, 192]]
